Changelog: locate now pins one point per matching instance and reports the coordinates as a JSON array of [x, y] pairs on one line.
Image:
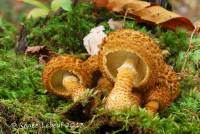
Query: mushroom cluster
[[134, 62], [133, 71]]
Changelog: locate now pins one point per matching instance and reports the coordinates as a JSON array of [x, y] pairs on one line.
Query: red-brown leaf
[[145, 12]]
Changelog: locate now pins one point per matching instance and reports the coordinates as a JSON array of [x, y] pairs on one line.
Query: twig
[[125, 15]]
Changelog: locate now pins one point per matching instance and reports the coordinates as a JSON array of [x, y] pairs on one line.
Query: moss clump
[[29, 117], [7, 35], [24, 106], [62, 30], [24, 100], [22, 76]]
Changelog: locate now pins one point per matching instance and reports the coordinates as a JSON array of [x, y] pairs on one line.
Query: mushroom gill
[[124, 58]]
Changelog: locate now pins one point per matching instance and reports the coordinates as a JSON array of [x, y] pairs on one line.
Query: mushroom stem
[[73, 86], [121, 96], [125, 76], [152, 106]]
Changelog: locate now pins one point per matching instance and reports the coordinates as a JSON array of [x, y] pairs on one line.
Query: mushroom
[[126, 59], [66, 76], [133, 61]]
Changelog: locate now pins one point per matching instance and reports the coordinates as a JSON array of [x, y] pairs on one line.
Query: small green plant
[[41, 10]]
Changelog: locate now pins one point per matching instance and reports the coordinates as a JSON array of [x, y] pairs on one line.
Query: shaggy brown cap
[[158, 81], [57, 67]]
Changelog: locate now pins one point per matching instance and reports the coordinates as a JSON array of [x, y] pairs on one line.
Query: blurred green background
[[15, 10]]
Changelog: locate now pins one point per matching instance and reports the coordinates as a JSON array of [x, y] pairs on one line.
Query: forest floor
[[26, 107]]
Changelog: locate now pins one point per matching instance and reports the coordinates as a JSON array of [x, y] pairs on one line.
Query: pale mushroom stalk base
[[121, 96], [152, 106], [73, 86]]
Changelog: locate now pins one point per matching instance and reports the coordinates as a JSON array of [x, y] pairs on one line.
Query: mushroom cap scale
[[55, 70], [166, 88], [129, 43], [92, 63]]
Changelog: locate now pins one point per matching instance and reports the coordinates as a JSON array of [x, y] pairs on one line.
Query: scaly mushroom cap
[[132, 44], [166, 88], [55, 70], [92, 63]]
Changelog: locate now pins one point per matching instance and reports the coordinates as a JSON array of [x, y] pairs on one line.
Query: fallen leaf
[[43, 59], [34, 49], [42, 52], [155, 14], [181, 22], [36, 3], [66, 5], [55, 4], [101, 3], [118, 5], [115, 24], [151, 14], [37, 12]]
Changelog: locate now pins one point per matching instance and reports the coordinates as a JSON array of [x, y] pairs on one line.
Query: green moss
[[24, 100], [7, 34], [24, 97], [175, 41], [32, 117], [21, 76], [181, 117], [65, 30]]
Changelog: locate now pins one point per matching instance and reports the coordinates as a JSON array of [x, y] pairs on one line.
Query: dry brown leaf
[[145, 12], [178, 22], [115, 24], [101, 3], [34, 49], [42, 52], [118, 5], [156, 14]]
